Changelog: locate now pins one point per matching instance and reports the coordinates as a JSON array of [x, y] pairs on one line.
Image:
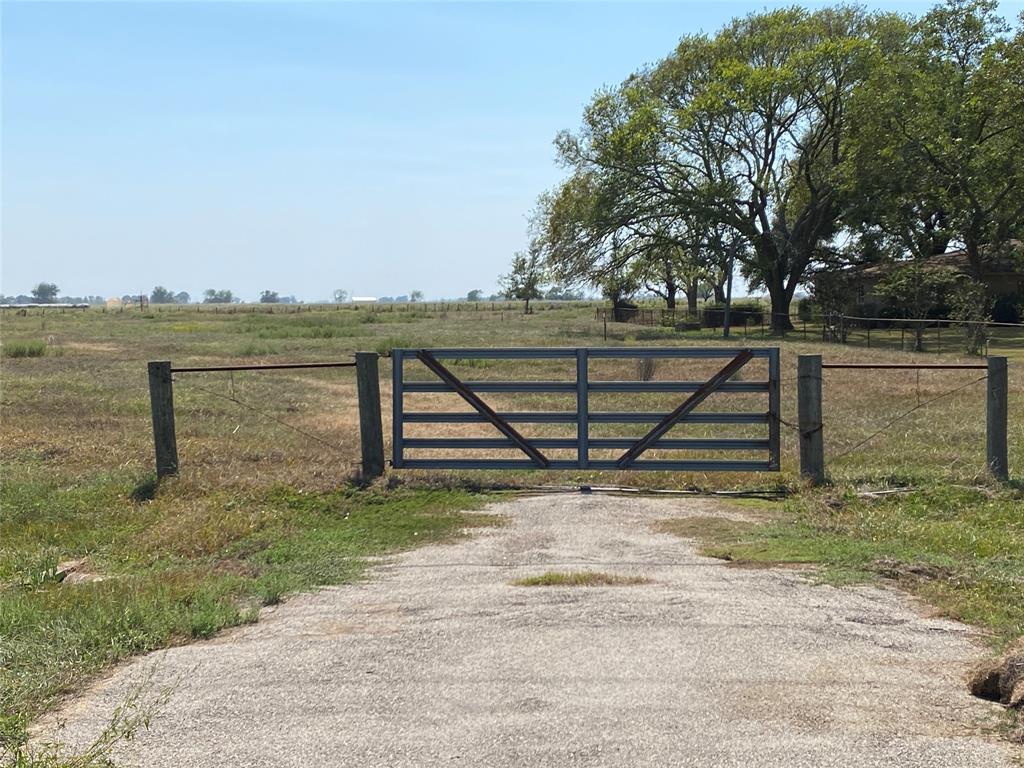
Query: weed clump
[[24, 349]]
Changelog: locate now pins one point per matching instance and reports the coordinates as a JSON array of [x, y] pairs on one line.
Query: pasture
[[265, 503]]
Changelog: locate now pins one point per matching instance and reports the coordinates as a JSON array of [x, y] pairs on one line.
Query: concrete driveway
[[440, 660]]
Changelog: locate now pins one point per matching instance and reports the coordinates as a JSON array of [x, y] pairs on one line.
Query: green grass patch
[[24, 348], [961, 549], [580, 579], [384, 346], [180, 567], [255, 349]]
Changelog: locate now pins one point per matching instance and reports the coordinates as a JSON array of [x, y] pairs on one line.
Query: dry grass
[[87, 412], [580, 579], [718, 529]]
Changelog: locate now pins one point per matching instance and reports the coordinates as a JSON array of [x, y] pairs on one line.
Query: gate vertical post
[[996, 419], [582, 409], [161, 401], [371, 436], [774, 409], [812, 444], [397, 460]]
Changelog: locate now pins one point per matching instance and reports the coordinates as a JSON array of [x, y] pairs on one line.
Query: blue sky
[[379, 148]]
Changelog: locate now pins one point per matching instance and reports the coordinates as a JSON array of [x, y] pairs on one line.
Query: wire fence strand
[[249, 406], [903, 415]]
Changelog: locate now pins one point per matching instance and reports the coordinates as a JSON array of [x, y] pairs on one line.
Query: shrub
[[875, 316], [740, 313], [1008, 308], [252, 349], [970, 304], [384, 346], [805, 309]]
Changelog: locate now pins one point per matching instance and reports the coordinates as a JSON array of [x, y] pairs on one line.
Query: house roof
[[1006, 261]]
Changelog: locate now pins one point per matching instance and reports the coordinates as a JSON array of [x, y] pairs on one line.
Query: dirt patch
[[1002, 679], [72, 572], [895, 569], [91, 347]]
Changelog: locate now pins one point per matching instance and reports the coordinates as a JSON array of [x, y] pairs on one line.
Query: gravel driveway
[[440, 660]]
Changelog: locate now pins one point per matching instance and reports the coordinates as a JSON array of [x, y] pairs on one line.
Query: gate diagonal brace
[[688, 405], [483, 408]]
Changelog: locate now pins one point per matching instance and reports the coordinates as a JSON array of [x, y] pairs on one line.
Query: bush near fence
[[740, 313]]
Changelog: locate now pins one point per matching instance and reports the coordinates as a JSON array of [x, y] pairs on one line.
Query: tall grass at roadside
[[23, 348]]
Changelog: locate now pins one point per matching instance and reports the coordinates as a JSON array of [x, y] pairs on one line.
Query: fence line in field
[[810, 427], [371, 434]]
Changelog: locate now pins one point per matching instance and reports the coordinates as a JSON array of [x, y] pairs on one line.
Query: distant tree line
[[798, 145], [49, 293], [161, 295]]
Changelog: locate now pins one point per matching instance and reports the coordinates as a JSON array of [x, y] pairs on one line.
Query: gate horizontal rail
[[726, 443], [595, 386], [663, 465], [561, 417], [537, 353], [582, 416]]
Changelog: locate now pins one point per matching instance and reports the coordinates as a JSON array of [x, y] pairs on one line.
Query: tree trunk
[[719, 292], [526, 310], [781, 297], [671, 285], [974, 259], [691, 296]]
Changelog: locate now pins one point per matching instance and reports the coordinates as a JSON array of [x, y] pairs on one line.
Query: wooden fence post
[[371, 433], [996, 418], [812, 443], [161, 401]]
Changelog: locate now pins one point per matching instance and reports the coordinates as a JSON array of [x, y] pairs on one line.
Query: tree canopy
[[528, 276], [45, 293], [161, 295], [796, 141], [218, 296]]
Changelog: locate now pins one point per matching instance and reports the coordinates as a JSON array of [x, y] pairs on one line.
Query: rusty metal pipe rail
[[271, 367]]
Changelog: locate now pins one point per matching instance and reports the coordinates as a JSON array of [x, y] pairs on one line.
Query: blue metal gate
[[582, 416]]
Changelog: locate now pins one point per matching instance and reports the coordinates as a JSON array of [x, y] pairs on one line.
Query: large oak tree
[[743, 130]]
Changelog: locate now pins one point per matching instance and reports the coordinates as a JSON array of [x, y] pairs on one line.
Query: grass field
[[263, 505]]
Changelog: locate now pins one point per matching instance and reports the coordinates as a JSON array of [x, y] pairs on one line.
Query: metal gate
[[582, 416]]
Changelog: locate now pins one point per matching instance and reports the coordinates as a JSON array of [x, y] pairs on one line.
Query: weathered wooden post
[[371, 433], [996, 418], [812, 443], [161, 401]]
